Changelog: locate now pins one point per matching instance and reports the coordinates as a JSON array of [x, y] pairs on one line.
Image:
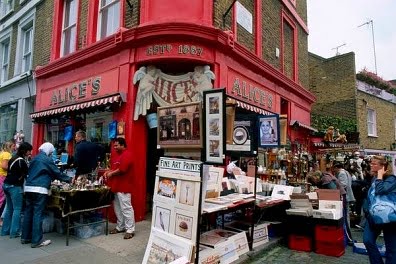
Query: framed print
[[164, 248], [214, 133], [179, 126], [185, 224], [214, 184], [244, 135], [165, 189], [268, 131], [187, 196], [162, 214]]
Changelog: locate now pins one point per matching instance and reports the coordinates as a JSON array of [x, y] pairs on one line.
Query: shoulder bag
[[382, 208]]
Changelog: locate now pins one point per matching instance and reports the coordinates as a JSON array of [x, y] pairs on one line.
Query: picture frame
[[214, 184], [214, 128], [185, 224], [187, 195], [162, 217], [163, 247], [165, 189], [180, 126], [244, 135], [268, 131]]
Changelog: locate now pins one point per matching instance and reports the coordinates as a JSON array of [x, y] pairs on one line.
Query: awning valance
[[299, 124], [250, 107], [108, 100]]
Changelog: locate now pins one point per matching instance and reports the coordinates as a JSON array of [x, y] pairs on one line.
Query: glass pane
[[26, 63], [104, 23], [26, 42], [5, 53]]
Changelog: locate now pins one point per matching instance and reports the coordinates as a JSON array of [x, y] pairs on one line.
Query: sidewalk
[[100, 249]]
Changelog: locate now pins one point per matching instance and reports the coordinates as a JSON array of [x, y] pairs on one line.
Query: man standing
[[120, 182], [86, 154]]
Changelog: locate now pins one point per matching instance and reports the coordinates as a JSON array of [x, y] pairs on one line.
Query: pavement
[[114, 249]]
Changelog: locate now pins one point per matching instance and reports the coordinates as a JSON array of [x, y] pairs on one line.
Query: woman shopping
[[13, 189], [384, 184]]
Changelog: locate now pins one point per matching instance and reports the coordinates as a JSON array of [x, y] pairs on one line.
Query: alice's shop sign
[[76, 91]]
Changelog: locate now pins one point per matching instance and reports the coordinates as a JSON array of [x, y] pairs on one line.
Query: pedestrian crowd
[[25, 183]]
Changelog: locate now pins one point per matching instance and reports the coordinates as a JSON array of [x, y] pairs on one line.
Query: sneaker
[[42, 244], [25, 241]]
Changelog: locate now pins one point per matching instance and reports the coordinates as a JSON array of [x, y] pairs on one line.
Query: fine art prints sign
[[170, 90]]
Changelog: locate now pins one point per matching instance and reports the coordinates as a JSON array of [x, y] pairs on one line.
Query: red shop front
[[125, 77]]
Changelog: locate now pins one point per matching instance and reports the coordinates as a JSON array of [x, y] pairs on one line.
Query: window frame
[[72, 46], [6, 12], [26, 23], [371, 114], [5, 37], [100, 13]]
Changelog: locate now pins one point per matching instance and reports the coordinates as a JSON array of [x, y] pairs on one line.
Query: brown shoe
[[115, 231], [129, 235]]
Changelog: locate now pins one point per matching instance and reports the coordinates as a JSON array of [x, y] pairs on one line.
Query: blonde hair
[[7, 146], [383, 162]]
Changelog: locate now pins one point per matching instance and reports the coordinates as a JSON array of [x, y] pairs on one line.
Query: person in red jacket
[[120, 181]]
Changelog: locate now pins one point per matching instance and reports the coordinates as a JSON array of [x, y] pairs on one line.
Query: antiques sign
[[251, 92], [168, 89]]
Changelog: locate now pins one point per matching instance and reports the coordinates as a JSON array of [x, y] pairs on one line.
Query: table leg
[[107, 221], [67, 230]]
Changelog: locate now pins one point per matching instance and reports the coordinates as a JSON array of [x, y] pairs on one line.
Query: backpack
[[382, 208]]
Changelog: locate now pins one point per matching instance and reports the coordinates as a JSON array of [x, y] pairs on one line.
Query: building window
[[371, 123], [8, 120], [25, 45], [6, 7], [69, 27], [109, 18], [4, 58]]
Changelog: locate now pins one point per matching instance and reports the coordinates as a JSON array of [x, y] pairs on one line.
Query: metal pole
[[375, 57]]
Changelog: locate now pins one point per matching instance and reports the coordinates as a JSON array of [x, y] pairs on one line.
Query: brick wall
[[132, 15], [243, 36], [14, 38], [271, 24], [385, 117], [43, 33], [334, 85], [288, 50], [82, 33]]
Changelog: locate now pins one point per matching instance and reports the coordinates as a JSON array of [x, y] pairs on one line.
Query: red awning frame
[[250, 107], [111, 99], [299, 124]]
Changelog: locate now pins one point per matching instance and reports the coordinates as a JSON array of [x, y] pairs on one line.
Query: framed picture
[[185, 224], [187, 196], [268, 131], [180, 126], [244, 135], [164, 248], [165, 189], [214, 114], [214, 185], [162, 214]]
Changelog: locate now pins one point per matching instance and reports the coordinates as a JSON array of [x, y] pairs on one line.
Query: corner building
[[256, 50]]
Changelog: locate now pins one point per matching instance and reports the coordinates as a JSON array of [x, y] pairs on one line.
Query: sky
[[333, 23]]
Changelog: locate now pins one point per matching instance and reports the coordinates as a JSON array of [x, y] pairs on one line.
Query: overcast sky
[[332, 23]]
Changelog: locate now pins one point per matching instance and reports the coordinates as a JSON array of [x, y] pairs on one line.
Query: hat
[[47, 148]]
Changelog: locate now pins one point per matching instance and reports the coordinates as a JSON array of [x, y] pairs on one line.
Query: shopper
[[42, 171], [13, 189], [120, 182], [7, 149], [384, 183], [86, 154], [346, 182]]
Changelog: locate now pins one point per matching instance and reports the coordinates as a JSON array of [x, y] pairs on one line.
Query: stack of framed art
[[175, 211]]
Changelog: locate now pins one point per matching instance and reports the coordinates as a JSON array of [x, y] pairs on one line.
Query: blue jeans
[[32, 229], [370, 235], [12, 215]]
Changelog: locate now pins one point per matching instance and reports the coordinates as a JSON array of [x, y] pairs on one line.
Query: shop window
[[69, 26], [4, 58], [6, 7], [109, 18], [8, 119], [371, 123], [25, 44], [97, 126]]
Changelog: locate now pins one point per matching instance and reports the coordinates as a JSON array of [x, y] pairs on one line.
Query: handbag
[[382, 208]]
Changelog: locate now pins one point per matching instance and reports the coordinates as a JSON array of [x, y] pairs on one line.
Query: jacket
[[346, 182], [42, 170], [17, 171], [86, 157]]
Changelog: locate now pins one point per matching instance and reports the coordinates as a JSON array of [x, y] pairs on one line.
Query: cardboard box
[[327, 214], [329, 194], [333, 205], [300, 205]]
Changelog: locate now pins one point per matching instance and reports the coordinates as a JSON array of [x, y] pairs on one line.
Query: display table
[[79, 201]]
